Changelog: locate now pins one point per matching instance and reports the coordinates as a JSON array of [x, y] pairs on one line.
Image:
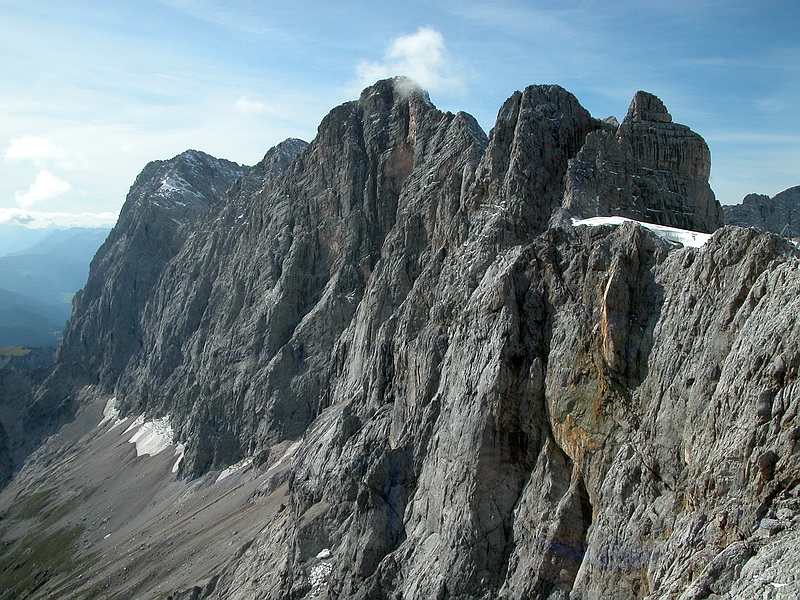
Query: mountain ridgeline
[[397, 335]]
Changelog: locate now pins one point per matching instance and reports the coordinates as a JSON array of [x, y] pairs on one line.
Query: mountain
[[14, 238], [28, 321], [76, 240], [779, 214], [408, 360], [37, 284]]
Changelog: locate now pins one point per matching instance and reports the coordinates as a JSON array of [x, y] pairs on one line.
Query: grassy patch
[[37, 559], [48, 552], [30, 506], [15, 351]]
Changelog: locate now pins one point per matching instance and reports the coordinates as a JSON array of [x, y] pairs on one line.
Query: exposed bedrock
[[461, 394]]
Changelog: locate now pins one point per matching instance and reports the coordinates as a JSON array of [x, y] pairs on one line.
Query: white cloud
[[32, 148], [250, 106], [422, 56], [38, 220], [46, 187], [41, 151]]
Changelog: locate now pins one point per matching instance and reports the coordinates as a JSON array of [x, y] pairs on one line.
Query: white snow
[[179, 450], [778, 585], [324, 553], [138, 422], [241, 465], [173, 183], [319, 575], [671, 234], [152, 437], [111, 414]]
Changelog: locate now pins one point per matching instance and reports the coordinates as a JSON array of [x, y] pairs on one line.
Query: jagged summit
[[647, 107], [647, 168], [400, 86], [779, 214]]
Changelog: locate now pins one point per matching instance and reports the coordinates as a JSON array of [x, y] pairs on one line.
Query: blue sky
[[92, 91]]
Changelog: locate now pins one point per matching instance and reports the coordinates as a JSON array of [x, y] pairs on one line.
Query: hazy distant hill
[[37, 285], [17, 237]]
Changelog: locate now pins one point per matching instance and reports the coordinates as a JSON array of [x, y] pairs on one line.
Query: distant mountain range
[[38, 282], [779, 214]]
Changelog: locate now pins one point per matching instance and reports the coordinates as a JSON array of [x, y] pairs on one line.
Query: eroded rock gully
[[432, 385]]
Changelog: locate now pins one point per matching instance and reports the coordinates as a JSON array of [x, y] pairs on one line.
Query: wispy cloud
[[422, 56], [46, 187], [38, 219], [242, 17]]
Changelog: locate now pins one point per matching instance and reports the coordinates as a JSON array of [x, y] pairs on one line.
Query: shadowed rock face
[[779, 214], [447, 386]]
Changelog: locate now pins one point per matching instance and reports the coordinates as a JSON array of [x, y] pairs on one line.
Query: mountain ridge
[[423, 380], [779, 214]]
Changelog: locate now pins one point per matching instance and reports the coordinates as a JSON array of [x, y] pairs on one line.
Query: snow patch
[[318, 576], [324, 553], [240, 466], [152, 437], [180, 449], [174, 183], [111, 414], [138, 422], [686, 237]]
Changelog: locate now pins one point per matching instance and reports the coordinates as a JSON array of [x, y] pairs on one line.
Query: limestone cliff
[[646, 168], [423, 382]]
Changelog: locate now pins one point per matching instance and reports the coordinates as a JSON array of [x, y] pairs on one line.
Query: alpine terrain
[[408, 360]]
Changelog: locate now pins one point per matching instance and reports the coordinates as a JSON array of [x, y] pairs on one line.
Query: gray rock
[[779, 214], [648, 169], [445, 384]]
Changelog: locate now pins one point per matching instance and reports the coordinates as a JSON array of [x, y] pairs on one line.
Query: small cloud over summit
[[422, 56]]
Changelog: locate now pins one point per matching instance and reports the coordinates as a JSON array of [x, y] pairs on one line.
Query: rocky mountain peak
[[755, 199], [647, 107], [779, 214], [649, 169], [538, 130], [395, 89], [384, 366]]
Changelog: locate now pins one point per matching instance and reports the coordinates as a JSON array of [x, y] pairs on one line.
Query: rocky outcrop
[[646, 168], [106, 329], [779, 214], [426, 383]]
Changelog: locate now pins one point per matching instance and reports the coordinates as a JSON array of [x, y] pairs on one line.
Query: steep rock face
[[166, 196], [779, 214], [647, 168], [444, 390], [249, 312], [522, 172]]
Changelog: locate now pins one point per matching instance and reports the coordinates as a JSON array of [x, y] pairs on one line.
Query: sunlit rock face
[[646, 168], [423, 381], [779, 214]]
